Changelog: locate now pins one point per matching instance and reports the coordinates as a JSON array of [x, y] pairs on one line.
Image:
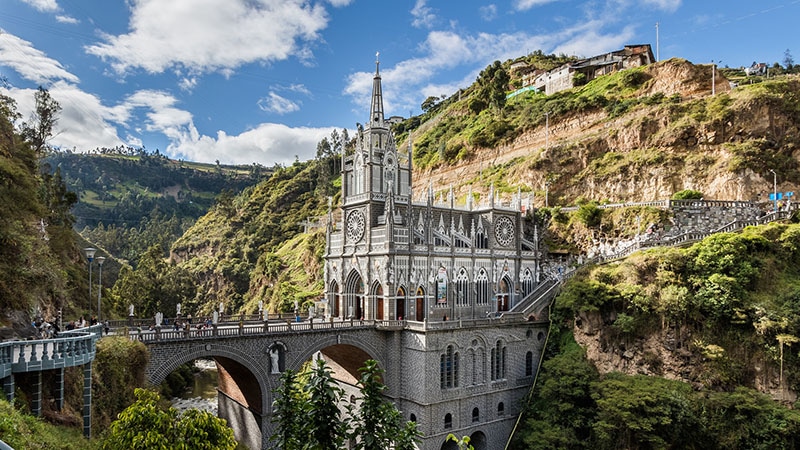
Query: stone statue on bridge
[[130, 310], [274, 359]]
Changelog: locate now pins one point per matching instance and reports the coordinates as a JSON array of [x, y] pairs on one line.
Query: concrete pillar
[[36, 395], [8, 387], [59, 392], [87, 400]]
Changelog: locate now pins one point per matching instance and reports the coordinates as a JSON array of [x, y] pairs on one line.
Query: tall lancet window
[[358, 169]]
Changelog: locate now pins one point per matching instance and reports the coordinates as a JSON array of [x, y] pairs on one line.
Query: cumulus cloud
[[43, 5], [442, 51], [217, 35], [524, 5], [83, 122], [66, 19], [488, 12], [340, 3], [268, 143], [277, 104], [666, 5], [423, 15], [29, 62]]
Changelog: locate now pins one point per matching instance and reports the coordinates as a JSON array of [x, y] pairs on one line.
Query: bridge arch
[[242, 367], [350, 352]]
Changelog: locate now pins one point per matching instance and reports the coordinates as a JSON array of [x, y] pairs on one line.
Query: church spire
[[376, 110]]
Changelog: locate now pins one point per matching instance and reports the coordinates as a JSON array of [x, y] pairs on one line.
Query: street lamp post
[[774, 190], [100, 261], [90, 251]]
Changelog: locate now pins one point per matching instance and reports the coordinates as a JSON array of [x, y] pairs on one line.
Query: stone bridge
[[475, 390]]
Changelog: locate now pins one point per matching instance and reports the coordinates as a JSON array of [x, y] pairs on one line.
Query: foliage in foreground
[[574, 407], [146, 425], [23, 431], [375, 424]]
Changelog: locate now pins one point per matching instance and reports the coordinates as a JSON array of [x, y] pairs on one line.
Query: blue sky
[[244, 81]]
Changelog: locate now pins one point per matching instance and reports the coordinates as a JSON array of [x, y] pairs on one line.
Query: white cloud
[[267, 144], [66, 19], [187, 83], [524, 5], [83, 122], [423, 15], [405, 83], [31, 63], [340, 3], [43, 5], [587, 40], [666, 5], [277, 104], [213, 35], [488, 12]]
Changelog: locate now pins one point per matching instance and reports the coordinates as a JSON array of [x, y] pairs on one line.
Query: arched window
[[498, 361], [412, 417], [448, 421], [501, 409], [529, 364], [476, 415], [462, 288], [482, 287], [481, 240], [448, 368], [474, 367], [527, 282]]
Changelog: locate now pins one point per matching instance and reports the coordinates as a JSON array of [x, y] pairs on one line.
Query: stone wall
[[706, 216]]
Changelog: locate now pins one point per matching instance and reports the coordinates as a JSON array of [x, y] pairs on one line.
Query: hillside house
[[561, 78], [756, 69]]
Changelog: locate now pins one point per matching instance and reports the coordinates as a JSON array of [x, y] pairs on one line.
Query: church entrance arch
[[504, 294], [400, 305], [354, 296], [420, 305]]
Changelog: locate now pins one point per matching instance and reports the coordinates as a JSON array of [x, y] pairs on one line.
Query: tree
[[492, 82], [290, 403], [463, 443], [429, 103], [145, 425], [788, 61], [377, 424], [327, 428], [44, 119]]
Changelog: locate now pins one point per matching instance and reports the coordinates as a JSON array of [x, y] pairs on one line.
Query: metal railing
[[70, 348]]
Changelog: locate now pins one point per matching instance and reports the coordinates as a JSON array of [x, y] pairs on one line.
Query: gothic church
[[442, 275]]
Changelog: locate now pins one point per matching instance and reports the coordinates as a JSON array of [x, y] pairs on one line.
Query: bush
[[687, 194]]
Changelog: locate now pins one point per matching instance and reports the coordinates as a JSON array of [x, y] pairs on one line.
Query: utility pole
[[546, 130], [657, 56], [714, 76]]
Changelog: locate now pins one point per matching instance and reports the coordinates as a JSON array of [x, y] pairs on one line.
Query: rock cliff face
[[722, 146]]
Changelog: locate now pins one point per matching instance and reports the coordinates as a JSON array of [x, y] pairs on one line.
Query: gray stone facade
[[427, 289]]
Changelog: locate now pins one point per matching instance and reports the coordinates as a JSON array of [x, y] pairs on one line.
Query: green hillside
[[129, 199]]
